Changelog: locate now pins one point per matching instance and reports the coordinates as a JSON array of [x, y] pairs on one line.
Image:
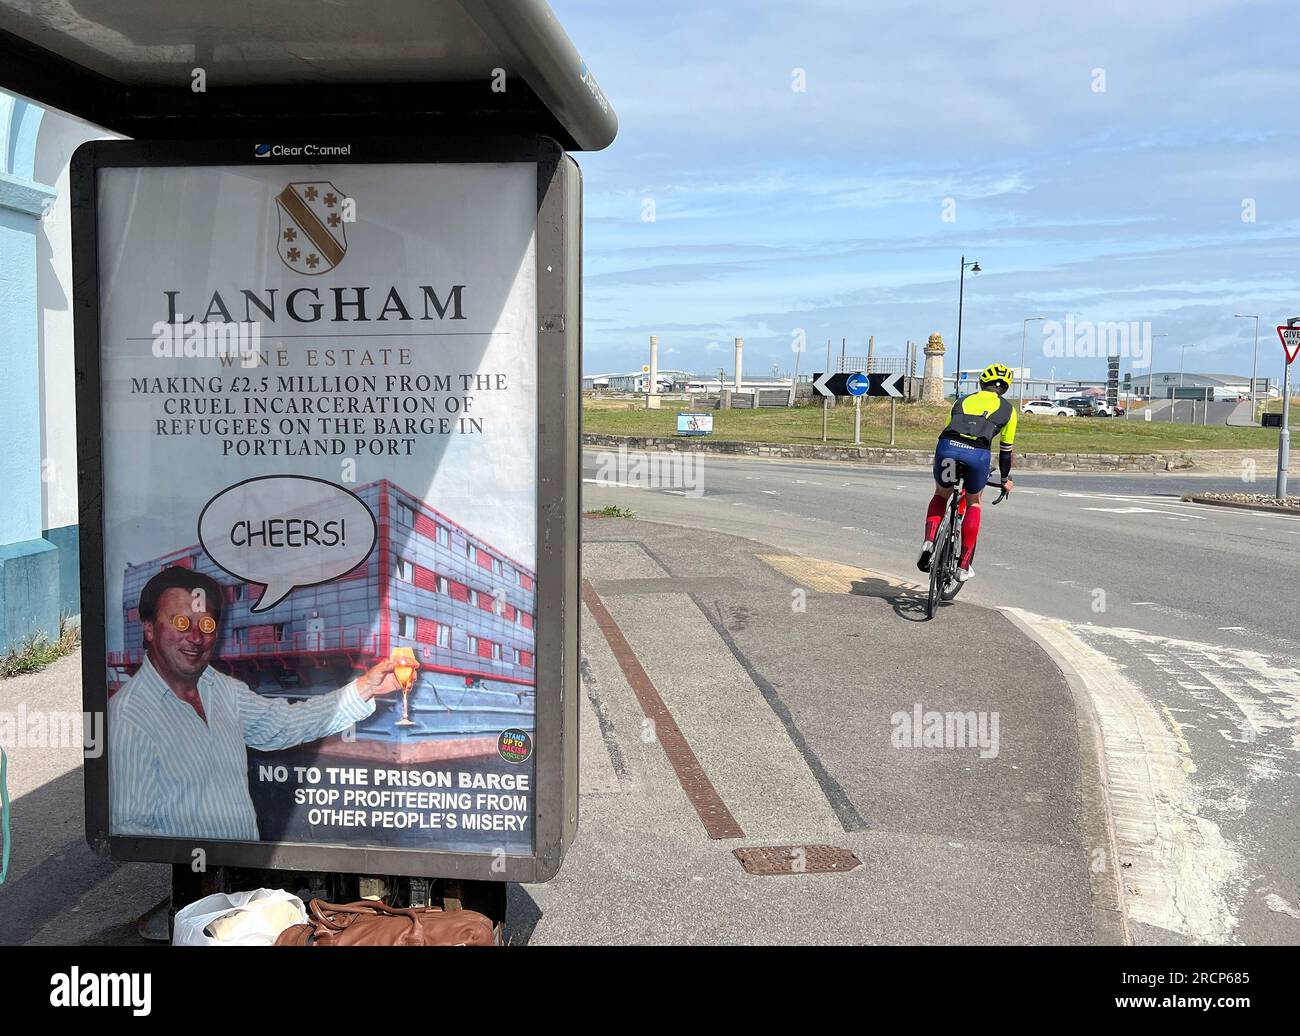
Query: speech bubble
[[286, 531]]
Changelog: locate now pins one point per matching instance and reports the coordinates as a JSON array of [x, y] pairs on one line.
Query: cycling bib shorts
[[954, 459]]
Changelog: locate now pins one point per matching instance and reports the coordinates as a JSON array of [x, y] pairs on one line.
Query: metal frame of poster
[[558, 252]]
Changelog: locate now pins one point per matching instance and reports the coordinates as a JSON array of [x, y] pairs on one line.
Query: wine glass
[[404, 669]]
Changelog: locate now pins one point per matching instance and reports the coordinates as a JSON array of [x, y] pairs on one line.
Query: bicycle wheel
[[938, 565], [951, 587]]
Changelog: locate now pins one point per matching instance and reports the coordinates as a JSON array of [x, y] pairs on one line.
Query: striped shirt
[[170, 775]]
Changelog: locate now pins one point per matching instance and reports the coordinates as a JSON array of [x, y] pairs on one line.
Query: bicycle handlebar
[[1002, 495]]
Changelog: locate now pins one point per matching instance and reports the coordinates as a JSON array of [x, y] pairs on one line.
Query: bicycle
[[944, 584]]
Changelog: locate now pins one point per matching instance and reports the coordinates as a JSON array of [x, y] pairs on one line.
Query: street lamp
[[1152, 358], [1173, 403], [1254, 367], [1024, 331], [961, 298]]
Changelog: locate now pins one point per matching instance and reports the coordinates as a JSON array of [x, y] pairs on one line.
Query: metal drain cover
[[796, 859]]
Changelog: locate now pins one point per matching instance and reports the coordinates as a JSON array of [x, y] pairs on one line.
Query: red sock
[[933, 516], [970, 531]]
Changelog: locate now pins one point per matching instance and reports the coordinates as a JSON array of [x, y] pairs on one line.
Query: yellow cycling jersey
[[980, 418]]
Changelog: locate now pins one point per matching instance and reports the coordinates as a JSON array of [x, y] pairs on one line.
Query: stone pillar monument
[[652, 396], [932, 390]]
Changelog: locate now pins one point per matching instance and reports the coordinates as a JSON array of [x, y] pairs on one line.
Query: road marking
[[1173, 515], [1183, 747], [1181, 868], [604, 482], [1280, 906]]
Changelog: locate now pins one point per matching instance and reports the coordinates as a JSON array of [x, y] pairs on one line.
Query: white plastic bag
[[257, 928]]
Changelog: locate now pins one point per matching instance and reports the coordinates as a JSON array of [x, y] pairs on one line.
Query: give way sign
[[1290, 341]]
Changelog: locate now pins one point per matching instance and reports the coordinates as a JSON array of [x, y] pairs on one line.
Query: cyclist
[[963, 451]]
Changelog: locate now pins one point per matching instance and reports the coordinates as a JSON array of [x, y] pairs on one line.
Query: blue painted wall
[[29, 564]]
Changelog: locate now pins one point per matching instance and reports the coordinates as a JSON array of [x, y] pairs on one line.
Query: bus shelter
[[328, 333]]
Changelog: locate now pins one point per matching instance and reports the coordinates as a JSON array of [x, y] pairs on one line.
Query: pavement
[[786, 676], [789, 679], [1173, 618], [58, 892]]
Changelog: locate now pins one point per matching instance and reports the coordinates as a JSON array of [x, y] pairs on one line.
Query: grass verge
[[917, 427]]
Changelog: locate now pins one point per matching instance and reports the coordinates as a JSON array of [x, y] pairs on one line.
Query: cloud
[[825, 209]]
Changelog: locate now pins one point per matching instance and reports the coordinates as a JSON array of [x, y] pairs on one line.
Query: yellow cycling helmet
[[996, 372]]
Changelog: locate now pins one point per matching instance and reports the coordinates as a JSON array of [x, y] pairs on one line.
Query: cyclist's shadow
[[907, 603]]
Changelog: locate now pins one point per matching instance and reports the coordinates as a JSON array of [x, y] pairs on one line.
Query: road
[[1177, 616]]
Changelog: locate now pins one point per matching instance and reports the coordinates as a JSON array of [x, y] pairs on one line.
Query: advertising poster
[[694, 424], [319, 407]]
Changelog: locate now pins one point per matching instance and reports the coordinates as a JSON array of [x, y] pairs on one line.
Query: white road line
[[1149, 510], [1180, 867], [604, 482]]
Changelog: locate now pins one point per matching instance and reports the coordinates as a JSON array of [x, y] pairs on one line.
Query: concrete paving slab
[[753, 763]]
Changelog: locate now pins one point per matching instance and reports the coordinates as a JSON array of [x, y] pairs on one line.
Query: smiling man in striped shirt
[[178, 731]]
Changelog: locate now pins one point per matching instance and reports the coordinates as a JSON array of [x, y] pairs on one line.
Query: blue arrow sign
[[857, 384]]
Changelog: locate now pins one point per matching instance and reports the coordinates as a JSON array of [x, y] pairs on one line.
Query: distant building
[[680, 381], [639, 381], [1194, 384]]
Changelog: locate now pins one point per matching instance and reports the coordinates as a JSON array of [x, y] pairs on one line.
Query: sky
[[812, 171]]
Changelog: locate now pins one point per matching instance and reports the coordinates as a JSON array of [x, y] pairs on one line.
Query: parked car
[[1046, 406], [1093, 406]]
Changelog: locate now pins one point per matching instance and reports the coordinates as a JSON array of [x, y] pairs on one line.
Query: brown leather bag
[[371, 923]]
